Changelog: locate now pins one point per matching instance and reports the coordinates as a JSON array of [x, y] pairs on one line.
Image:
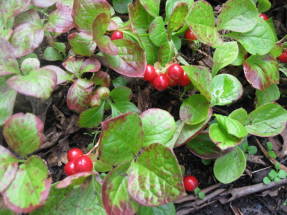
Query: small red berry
[[150, 73], [74, 153], [184, 81], [190, 183], [161, 82], [264, 16], [175, 72], [83, 164], [117, 35], [69, 168], [283, 57], [189, 35]]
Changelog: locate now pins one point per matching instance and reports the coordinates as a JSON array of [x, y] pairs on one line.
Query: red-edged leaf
[[115, 194], [13, 7], [102, 78], [24, 133], [82, 43], [62, 76], [43, 3], [8, 168], [130, 61], [8, 62], [29, 16], [74, 179], [78, 97], [60, 20]]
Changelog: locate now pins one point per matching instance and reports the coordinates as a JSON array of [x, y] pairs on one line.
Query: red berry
[[161, 82], [83, 164], [69, 168], [189, 35], [264, 16], [190, 183], [74, 153], [175, 72], [117, 35], [150, 73], [283, 57], [184, 81]]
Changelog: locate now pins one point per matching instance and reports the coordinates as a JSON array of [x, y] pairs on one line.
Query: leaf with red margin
[[261, 71], [100, 26], [115, 194], [62, 76], [155, 177], [29, 16], [38, 83], [130, 61], [121, 136], [7, 100], [203, 147], [8, 168], [8, 62], [43, 4], [78, 97], [75, 179], [85, 11], [13, 7], [102, 78], [30, 188], [24, 133], [82, 43], [60, 20]]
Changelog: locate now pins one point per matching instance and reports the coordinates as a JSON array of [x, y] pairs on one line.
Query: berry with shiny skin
[[83, 164], [175, 72], [184, 81], [117, 35], [69, 168], [264, 16], [283, 57], [189, 35], [150, 73], [161, 82], [190, 183], [74, 153]]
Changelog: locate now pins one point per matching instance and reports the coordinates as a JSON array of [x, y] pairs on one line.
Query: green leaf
[[85, 11], [169, 5], [167, 209], [269, 146], [156, 164], [266, 180], [267, 120], [30, 64], [85, 198], [176, 20], [121, 138], [259, 41], [82, 44], [238, 16], [166, 53], [268, 95], [282, 174], [151, 6], [261, 71], [230, 167], [14, 7], [272, 174], [7, 100], [158, 126], [157, 32], [115, 194], [264, 5], [38, 83], [232, 126], [121, 107], [225, 89], [200, 78], [24, 133], [252, 150], [203, 147], [92, 117], [240, 57], [30, 188], [121, 6], [121, 94], [224, 55], [222, 138], [194, 110], [240, 115], [52, 54], [8, 168]]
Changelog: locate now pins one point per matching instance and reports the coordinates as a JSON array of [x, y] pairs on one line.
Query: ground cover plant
[[79, 132]]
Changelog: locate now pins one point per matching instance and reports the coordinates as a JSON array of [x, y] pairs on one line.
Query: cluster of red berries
[[174, 75], [190, 183], [77, 162]]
